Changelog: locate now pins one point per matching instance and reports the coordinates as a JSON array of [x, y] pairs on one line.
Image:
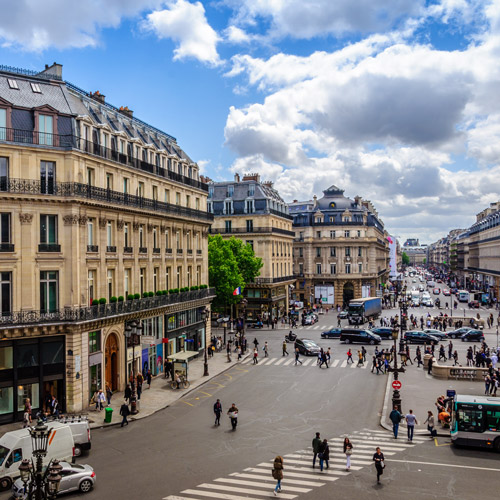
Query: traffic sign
[[397, 385]]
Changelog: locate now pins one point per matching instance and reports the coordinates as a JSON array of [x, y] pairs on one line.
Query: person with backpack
[[278, 473], [349, 356]]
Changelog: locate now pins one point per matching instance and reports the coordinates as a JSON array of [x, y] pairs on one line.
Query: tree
[[231, 264], [405, 259]]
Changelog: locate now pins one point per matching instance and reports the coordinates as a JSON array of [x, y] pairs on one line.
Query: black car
[[334, 333], [436, 333], [307, 347], [415, 337], [473, 336], [456, 334], [383, 332], [351, 335]]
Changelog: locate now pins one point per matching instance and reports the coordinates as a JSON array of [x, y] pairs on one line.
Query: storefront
[[152, 354], [184, 331], [34, 369]]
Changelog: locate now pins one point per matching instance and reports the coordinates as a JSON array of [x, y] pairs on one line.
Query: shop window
[[94, 341], [95, 379], [6, 358], [6, 404], [27, 355], [28, 391], [52, 353]]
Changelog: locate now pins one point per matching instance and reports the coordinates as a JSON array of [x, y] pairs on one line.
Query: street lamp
[[132, 332], [40, 484], [396, 397], [244, 303], [204, 316]]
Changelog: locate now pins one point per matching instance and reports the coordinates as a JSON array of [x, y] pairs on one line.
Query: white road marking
[[220, 496], [264, 361], [344, 363], [271, 361], [307, 361], [335, 362], [291, 360], [283, 358], [262, 485], [306, 462], [268, 477], [446, 465], [233, 489]]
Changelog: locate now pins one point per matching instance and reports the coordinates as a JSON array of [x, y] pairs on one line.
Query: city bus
[[475, 421]]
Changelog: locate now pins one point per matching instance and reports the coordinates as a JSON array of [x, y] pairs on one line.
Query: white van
[[16, 446]]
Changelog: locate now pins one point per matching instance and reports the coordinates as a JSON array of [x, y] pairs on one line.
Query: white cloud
[[186, 24], [236, 35], [38, 25]]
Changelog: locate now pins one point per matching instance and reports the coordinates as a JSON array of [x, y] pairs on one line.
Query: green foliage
[[425, 261], [102, 301], [137, 296], [130, 296], [405, 259], [194, 288], [231, 264], [95, 302], [121, 298], [203, 287], [113, 299], [151, 294], [173, 290]]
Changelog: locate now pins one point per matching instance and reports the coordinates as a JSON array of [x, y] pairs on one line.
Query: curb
[[191, 389], [384, 416]]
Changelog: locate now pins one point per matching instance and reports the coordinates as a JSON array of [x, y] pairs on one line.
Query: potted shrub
[[137, 296], [120, 298], [130, 296], [151, 294], [102, 301], [113, 299], [95, 302]]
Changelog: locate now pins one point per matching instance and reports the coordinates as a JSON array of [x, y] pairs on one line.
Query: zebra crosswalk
[[306, 361], [299, 476]]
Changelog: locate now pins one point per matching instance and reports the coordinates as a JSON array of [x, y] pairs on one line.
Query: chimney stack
[[236, 177], [125, 111], [98, 96]]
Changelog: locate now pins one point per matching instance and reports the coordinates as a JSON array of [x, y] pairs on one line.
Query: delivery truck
[[361, 310]]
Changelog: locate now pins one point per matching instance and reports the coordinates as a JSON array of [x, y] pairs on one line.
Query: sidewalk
[[419, 392]]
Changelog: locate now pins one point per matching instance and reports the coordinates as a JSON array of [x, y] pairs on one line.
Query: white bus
[[463, 296]]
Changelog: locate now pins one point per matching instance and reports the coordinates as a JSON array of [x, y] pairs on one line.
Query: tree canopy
[[231, 264], [405, 259]]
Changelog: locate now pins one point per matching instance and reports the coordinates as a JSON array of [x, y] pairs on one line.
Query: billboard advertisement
[[393, 266], [324, 294]]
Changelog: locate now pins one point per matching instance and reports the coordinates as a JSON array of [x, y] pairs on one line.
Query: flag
[[237, 291]]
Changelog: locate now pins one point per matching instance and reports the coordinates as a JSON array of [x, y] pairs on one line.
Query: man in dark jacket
[[395, 417], [217, 411], [124, 412], [315, 445]]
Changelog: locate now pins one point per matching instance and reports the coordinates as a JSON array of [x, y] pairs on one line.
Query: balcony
[[179, 250], [72, 142], [248, 230], [6, 247], [199, 252], [92, 248], [168, 250], [128, 249], [111, 249], [143, 250], [51, 247], [262, 281], [189, 251], [74, 315], [156, 250], [100, 195]]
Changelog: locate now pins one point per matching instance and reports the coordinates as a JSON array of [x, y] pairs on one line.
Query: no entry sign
[[397, 385]]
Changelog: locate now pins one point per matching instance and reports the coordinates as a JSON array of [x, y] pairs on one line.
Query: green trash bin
[[108, 415]]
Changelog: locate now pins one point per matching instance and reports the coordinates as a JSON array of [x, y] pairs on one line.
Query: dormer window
[[35, 88], [251, 190], [230, 191], [13, 84]]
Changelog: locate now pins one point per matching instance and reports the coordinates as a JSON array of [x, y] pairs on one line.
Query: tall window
[[347, 234], [198, 275], [333, 252], [110, 282], [5, 293], [126, 235], [126, 282], [125, 185], [90, 232], [228, 226], [48, 229], [210, 191], [188, 240], [4, 172], [301, 252], [301, 269], [142, 279], [318, 268], [45, 130], [360, 268], [5, 233], [333, 268], [189, 272], [230, 191], [155, 193], [348, 268], [188, 201], [94, 341], [155, 279], [90, 177], [109, 234], [249, 207], [155, 238], [167, 196], [332, 234], [179, 274], [141, 235], [250, 242], [109, 181], [360, 251], [49, 300], [140, 190], [167, 239], [318, 251], [347, 251], [3, 124], [251, 189], [177, 198], [197, 204], [228, 207], [167, 277], [91, 286], [47, 177]]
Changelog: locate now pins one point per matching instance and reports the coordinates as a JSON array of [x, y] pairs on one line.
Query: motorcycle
[[290, 337], [234, 419]]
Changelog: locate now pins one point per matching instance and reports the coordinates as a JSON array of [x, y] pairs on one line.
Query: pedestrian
[[99, 404], [323, 454], [149, 377], [124, 412], [487, 382], [324, 360], [239, 354], [255, 356], [285, 352], [455, 358], [411, 420], [27, 409], [255, 342], [316, 442], [363, 351], [450, 350], [297, 354], [378, 458], [26, 418], [430, 424], [339, 322], [374, 363], [349, 356], [55, 405], [140, 380], [265, 349], [166, 369], [128, 393], [430, 361], [442, 354], [360, 358], [348, 453], [395, 417], [109, 393], [278, 473], [418, 357], [217, 411]]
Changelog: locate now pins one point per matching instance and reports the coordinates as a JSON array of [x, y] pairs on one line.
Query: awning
[[183, 356]]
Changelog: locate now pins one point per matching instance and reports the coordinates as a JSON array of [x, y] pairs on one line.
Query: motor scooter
[[290, 337]]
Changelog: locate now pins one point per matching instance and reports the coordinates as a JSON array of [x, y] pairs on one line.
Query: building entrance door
[[348, 294], [111, 361]]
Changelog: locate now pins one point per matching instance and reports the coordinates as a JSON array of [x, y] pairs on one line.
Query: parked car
[[456, 334], [343, 314], [473, 336], [417, 337], [307, 347], [447, 293], [436, 291], [427, 302], [74, 477], [383, 332], [334, 333], [436, 333], [352, 335]]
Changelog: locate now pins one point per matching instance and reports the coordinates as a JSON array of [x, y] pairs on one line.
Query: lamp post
[[204, 316], [396, 397], [40, 484], [244, 303], [132, 332]]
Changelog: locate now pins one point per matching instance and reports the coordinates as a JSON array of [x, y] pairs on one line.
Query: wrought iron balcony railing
[[6, 247], [49, 247], [111, 249], [128, 249], [250, 230], [92, 248]]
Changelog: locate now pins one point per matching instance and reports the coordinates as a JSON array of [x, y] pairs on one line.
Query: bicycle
[[184, 383]]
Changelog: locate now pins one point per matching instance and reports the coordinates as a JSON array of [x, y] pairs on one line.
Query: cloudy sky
[[394, 100]]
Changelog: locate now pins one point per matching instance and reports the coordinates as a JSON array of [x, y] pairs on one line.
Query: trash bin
[[108, 415]]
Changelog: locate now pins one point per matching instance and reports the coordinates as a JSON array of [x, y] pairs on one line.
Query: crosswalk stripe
[[289, 361], [263, 361], [353, 365], [304, 462], [262, 485], [212, 494], [233, 489], [268, 477], [313, 473], [316, 327], [272, 360], [176, 497], [390, 439], [246, 361], [335, 363], [365, 365], [307, 361], [280, 361], [344, 363], [382, 445], [332, 458]]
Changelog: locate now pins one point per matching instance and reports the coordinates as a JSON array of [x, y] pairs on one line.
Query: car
[[473, 336], [74, 477], [351, 335], [415, 302], [421, 288], [427, 302], [436, 291], [474, 304], [413, 280], [334, 333], [343, 314], [307, 347], [436, 333], [383, 332], [418, 337], [309, 320], [456, 334], [446, 293]]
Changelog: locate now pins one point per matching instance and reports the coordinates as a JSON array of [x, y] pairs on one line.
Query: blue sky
[[393, 100]]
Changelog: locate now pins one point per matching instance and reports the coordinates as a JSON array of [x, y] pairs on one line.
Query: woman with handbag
[[278, 473], [378, 458], [348, 453], [430, 424]]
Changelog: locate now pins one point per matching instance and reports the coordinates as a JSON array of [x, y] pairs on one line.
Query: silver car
[[74, 477]]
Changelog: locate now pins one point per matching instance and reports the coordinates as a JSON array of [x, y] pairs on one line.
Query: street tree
[[405, 259]]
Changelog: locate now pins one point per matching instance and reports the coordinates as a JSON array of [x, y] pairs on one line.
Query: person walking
[[285, 352], [140, 380], [395, 417], [323, 454], [255, 356], [100, 400], [278, 473], [316, 442], [363, 351], [360, 358], [297, 354], [418, 357], [411, 420], [348, 453], [109, 393], [124, 412], [455, 358], [349, 356], [430, 424], [442, 354], [378, 458], [149, 377], [217, 411], [374, 363], [265, 349], [255, 342], [450, 349], [128, 393]]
